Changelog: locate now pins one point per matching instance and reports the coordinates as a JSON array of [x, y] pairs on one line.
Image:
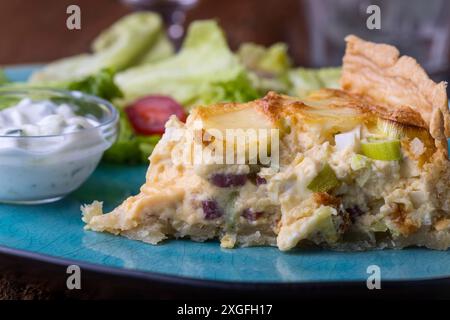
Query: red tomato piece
[[149, 115]]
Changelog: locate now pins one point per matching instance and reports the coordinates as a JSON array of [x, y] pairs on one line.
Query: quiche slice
[[352, 169]]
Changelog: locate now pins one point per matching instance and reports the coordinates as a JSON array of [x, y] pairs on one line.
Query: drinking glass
[[173, 13], [417, 28]]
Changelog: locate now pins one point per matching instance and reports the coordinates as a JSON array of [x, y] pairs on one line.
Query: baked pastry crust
[[399, 83]]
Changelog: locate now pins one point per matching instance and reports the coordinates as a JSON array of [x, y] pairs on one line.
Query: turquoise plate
[[56, 230]]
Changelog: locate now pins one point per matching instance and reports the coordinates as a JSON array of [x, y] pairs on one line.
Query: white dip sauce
[[46, 150], [42, 118]]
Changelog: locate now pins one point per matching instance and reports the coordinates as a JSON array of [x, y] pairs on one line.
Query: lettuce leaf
[[116, 48], [204, 71], [272, 60], [101, 85], [267, 67], [162, 49], [305, 80], [129, 147], [329, 77]]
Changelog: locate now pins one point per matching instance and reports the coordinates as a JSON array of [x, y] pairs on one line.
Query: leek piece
[[324, 181], [386, 150], [358, 162], [390, 129]]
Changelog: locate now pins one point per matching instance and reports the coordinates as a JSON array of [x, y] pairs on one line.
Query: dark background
[[35, 31]]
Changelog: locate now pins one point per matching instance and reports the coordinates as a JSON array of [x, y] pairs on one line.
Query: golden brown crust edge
[[378, 72]]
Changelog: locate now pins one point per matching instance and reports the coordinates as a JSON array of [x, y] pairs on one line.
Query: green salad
[[134, 65]]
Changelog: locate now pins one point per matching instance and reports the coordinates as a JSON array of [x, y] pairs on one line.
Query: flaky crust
[[380, 74]]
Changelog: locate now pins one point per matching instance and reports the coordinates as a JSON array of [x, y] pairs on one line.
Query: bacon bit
[[211, 209], [223, 180], [260, 180], [254, 178], [354, 212], [323, 198], [251, 215]]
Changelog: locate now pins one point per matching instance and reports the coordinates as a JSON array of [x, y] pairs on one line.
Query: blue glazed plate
[[55, 232]]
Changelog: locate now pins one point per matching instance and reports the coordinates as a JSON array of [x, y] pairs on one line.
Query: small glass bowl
[[42, 169]]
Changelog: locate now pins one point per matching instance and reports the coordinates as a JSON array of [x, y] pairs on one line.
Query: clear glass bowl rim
[[111, 119]]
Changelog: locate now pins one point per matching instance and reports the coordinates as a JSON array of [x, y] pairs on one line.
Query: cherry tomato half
[[149, 115]]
